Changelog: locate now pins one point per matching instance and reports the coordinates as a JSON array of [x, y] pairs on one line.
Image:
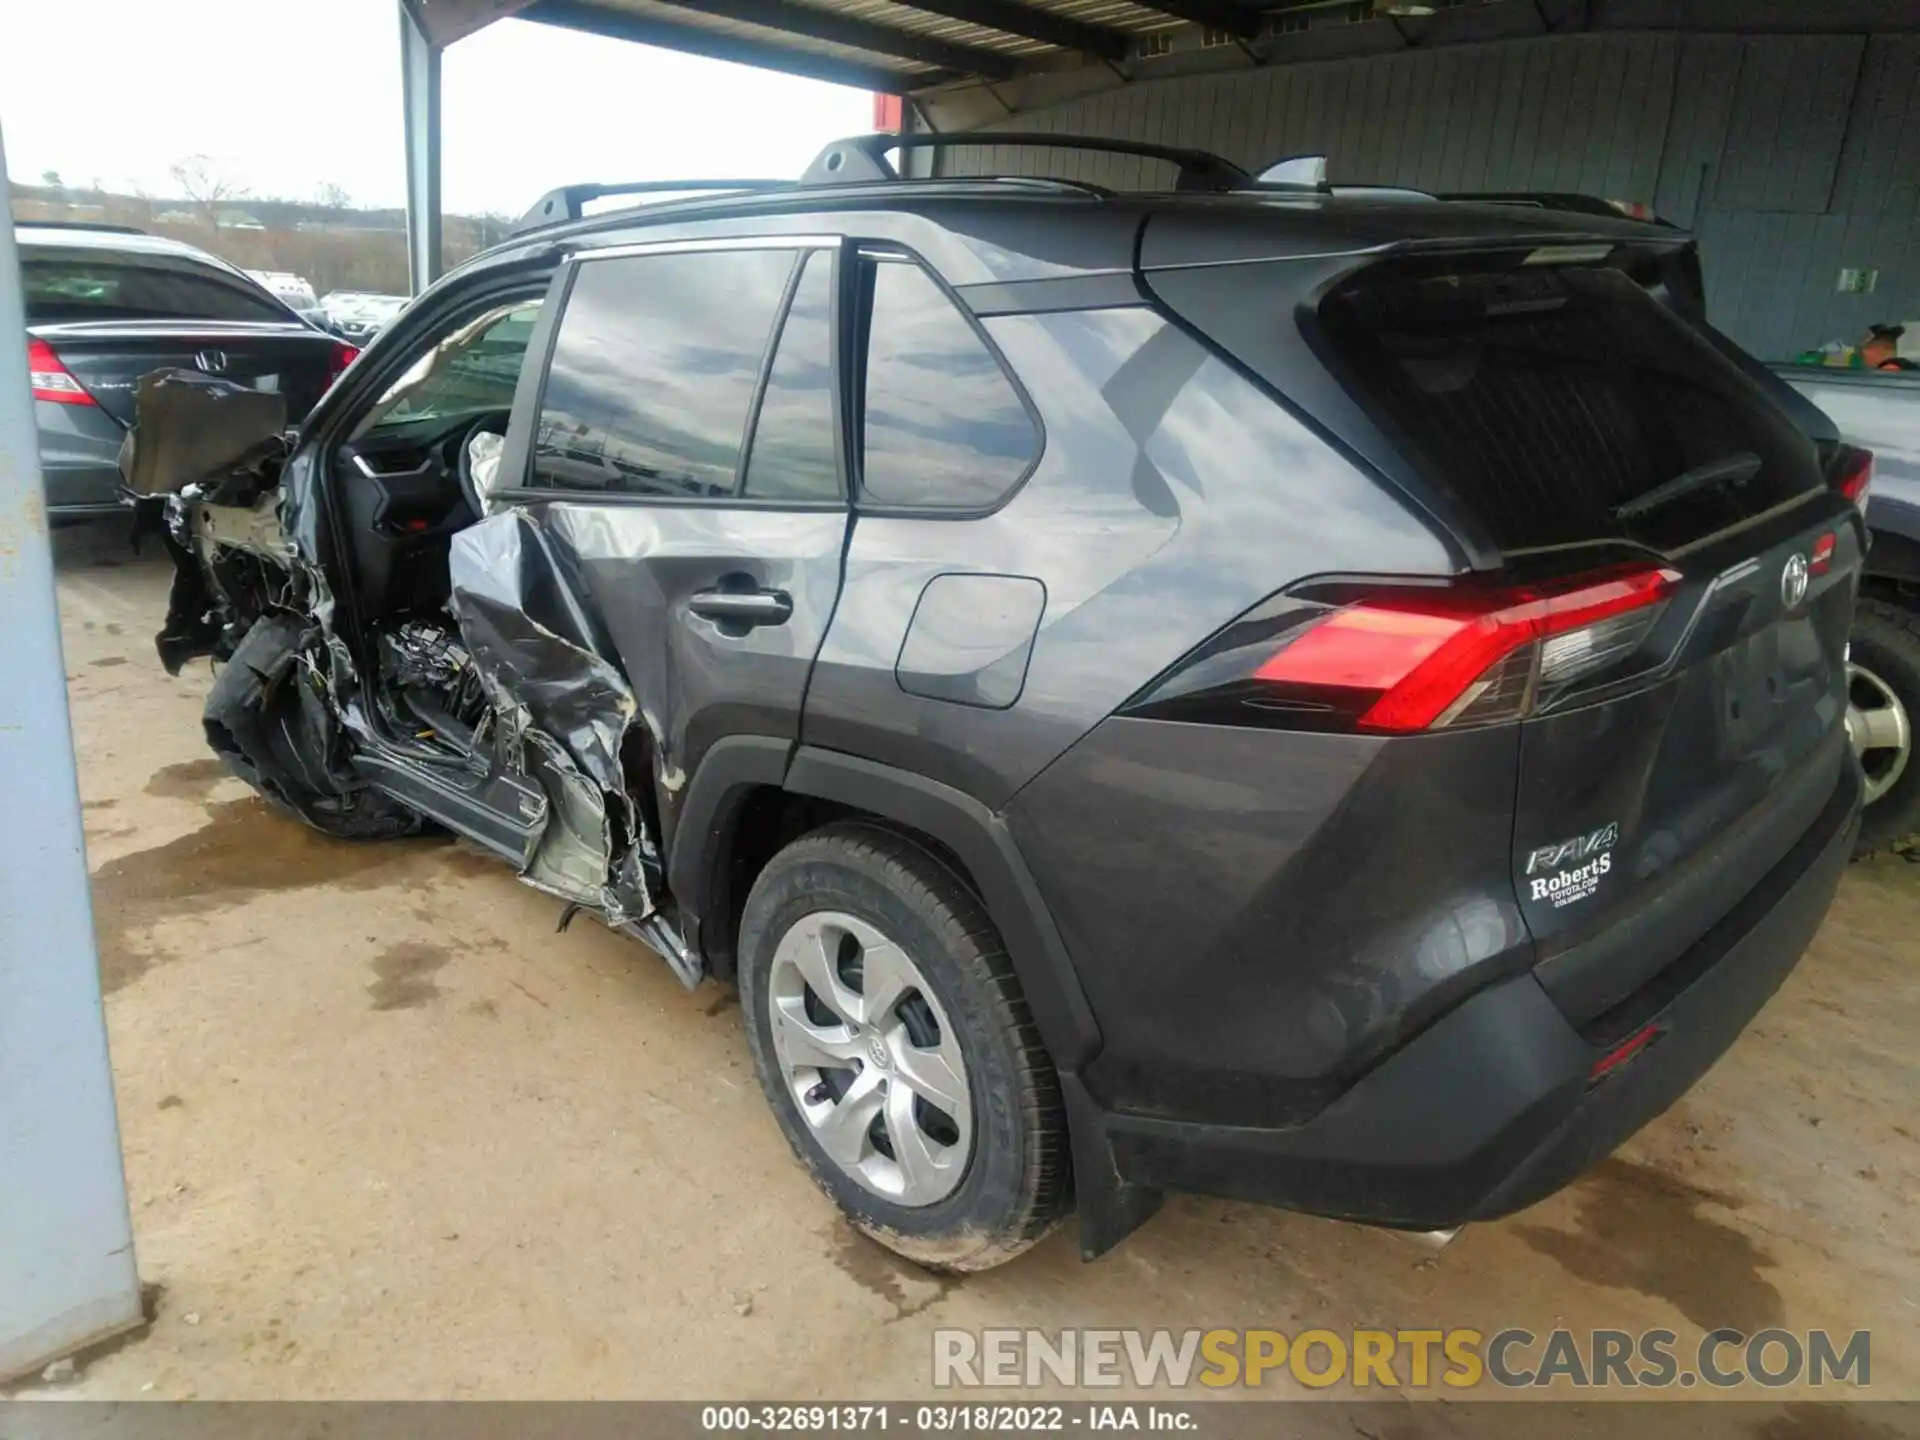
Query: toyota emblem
[[213, 362], [1793, 581]]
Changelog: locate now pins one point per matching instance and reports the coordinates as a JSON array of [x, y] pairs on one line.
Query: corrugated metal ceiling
[[896, 44]]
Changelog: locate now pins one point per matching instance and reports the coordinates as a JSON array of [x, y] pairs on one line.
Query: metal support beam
[[420, 99], [693, 40], [1046, 26], [67, 1275], [858, 34]]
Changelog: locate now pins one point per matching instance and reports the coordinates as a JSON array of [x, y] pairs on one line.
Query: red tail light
[[343, 356], [1436, 659], [50, 379], [1852, 475], [1396, 659]]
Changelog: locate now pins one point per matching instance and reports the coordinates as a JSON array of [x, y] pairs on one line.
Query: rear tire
[[1885, 653], [958, 1192]]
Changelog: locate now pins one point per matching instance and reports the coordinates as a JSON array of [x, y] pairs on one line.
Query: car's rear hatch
[[108, 358], [1550, 394]]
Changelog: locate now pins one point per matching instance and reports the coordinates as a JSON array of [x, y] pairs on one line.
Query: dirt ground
[[388, 1134]]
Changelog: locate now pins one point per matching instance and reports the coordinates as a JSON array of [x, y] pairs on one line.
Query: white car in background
[[296, 290]]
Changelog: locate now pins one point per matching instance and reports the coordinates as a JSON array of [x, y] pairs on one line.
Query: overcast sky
[[286, 95]]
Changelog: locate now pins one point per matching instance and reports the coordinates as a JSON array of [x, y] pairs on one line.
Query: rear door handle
[[742, 607]]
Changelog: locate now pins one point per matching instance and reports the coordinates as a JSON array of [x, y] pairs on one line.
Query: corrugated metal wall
[[1791, 155]]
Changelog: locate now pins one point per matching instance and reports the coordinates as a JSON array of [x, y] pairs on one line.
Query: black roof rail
[[99, 227], [861, 159], [568, 202]]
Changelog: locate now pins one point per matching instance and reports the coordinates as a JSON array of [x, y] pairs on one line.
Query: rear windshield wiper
[[1736, 468]]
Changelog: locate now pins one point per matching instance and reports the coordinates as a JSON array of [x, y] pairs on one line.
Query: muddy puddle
[[188, 780], [244, 849], [403, 975], [1643, 1229]]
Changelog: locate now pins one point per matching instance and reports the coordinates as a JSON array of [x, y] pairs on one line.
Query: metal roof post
[[67, 1274], [420, 100]]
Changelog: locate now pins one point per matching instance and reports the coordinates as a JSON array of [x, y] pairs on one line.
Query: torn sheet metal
[[208, 459], [247, 520], [543, 658], [193, 429]]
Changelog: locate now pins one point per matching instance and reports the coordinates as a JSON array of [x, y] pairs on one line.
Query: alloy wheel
[[1880, 729], [870, 1058]]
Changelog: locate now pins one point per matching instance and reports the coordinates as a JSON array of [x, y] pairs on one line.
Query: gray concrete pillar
[[66, 1240]]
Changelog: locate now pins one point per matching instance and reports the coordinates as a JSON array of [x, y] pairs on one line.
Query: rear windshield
[[63, 286], [1565, 405]]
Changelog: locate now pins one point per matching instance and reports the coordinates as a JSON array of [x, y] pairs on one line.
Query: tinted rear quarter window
[[654, 369], [793, 456], [943, 426], [62, 286], [1556, 403]]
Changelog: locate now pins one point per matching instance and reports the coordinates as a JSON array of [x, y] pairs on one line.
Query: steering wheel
[[478, 461]]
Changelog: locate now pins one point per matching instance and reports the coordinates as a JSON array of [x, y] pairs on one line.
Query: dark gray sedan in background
[[105, 305]]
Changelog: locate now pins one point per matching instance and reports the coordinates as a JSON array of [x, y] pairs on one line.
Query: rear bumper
[[79, 459], [1490, 1108], [77, 490]]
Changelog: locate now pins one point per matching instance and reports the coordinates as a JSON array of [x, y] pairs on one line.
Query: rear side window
[[654, 370], [74, 285], [793, 456], [943, 426], [1565, 405]]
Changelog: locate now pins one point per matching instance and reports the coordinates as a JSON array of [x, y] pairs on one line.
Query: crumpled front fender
[[522, 604]]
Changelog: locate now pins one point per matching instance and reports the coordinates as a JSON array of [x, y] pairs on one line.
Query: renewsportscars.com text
[[1458, 1359]]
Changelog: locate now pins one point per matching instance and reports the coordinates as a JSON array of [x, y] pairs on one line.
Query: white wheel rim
[[870, 1058], [1879, 728]]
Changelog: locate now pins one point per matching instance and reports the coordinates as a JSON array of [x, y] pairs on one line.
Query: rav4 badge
[[1572, 869]]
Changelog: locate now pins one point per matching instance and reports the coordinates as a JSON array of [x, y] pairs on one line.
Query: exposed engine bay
[[467, 681], [428, 681]]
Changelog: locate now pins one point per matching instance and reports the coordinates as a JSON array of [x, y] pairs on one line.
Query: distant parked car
[[296, 290], [104, 306], [359, 315]]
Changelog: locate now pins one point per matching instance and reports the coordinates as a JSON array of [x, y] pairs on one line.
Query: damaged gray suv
[[1328, 698]]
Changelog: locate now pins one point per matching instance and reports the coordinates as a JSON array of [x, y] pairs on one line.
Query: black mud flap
[[269, 719], [524, 610]]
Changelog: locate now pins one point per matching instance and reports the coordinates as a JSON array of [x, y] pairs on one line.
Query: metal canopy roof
[[891, 46], [901, 46]]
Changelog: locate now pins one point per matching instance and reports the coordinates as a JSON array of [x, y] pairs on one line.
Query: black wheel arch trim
[[699, 842], [980, 840], [699, 838]]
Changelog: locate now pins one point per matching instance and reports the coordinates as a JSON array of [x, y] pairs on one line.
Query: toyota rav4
[[1326, 698]]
